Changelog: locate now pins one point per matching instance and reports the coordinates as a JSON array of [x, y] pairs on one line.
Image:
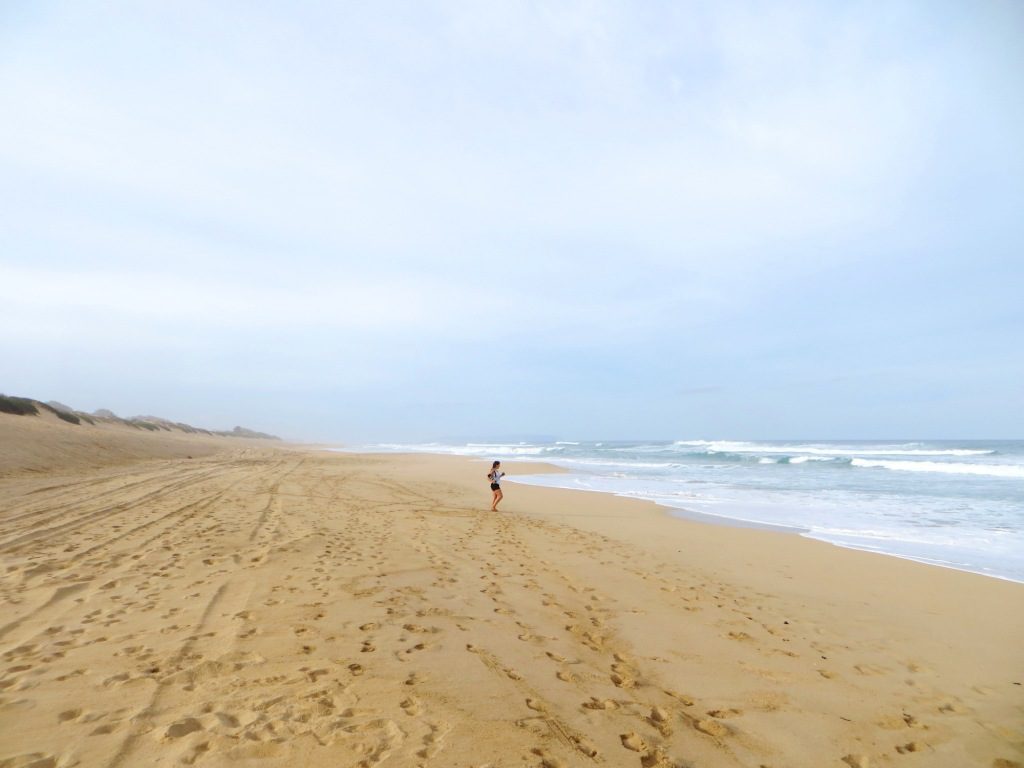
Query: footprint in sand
[[183, 728], [585, 747], [227, 720], [414, 648], [411, 706], [659, 715], [116, 679], [622, 681], [721, 714], [418, 629], [712, 728], [633, 742]]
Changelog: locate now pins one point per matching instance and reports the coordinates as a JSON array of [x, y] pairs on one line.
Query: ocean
[[958, 504]]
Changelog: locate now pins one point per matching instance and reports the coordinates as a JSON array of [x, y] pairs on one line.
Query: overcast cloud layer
[[592, 220]]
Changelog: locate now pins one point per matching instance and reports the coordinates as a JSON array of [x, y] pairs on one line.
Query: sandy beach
[[214, 602]]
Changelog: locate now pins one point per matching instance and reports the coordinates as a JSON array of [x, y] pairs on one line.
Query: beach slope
[[273, 607]]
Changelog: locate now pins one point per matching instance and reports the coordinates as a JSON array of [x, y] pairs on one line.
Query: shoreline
[[683, 513]]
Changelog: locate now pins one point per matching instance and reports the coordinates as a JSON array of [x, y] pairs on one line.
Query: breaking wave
[[949, 468]]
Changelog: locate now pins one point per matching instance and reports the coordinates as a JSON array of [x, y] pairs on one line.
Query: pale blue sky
[[407, 221]]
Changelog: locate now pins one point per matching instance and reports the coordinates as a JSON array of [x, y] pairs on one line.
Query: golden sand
[[270, 606]]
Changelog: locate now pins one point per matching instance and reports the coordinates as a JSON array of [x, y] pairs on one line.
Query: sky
[[460, 220]]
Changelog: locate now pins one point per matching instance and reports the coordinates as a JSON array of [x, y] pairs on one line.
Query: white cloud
[[482, 122]]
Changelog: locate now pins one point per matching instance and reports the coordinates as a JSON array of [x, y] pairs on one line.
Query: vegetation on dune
[[67, 416], [66, 411], [190, 429], [19, 406], [26, 406]]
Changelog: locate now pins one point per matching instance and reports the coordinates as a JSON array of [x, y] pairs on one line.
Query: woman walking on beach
[[495, 476]]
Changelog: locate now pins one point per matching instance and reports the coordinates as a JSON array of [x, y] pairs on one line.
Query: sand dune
[[44, 444], [273, 607]]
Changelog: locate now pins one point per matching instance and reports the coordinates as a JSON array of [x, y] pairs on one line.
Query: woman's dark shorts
[[495, 487]]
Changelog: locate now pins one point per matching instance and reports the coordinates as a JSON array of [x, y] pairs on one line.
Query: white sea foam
[[519, 448], [620, 464], [951, 468], [728, 446]]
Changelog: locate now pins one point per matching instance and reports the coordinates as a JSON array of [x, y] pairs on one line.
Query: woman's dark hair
[[495, 464]]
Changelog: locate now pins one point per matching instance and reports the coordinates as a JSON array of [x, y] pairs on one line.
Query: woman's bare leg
[[498, 496]]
